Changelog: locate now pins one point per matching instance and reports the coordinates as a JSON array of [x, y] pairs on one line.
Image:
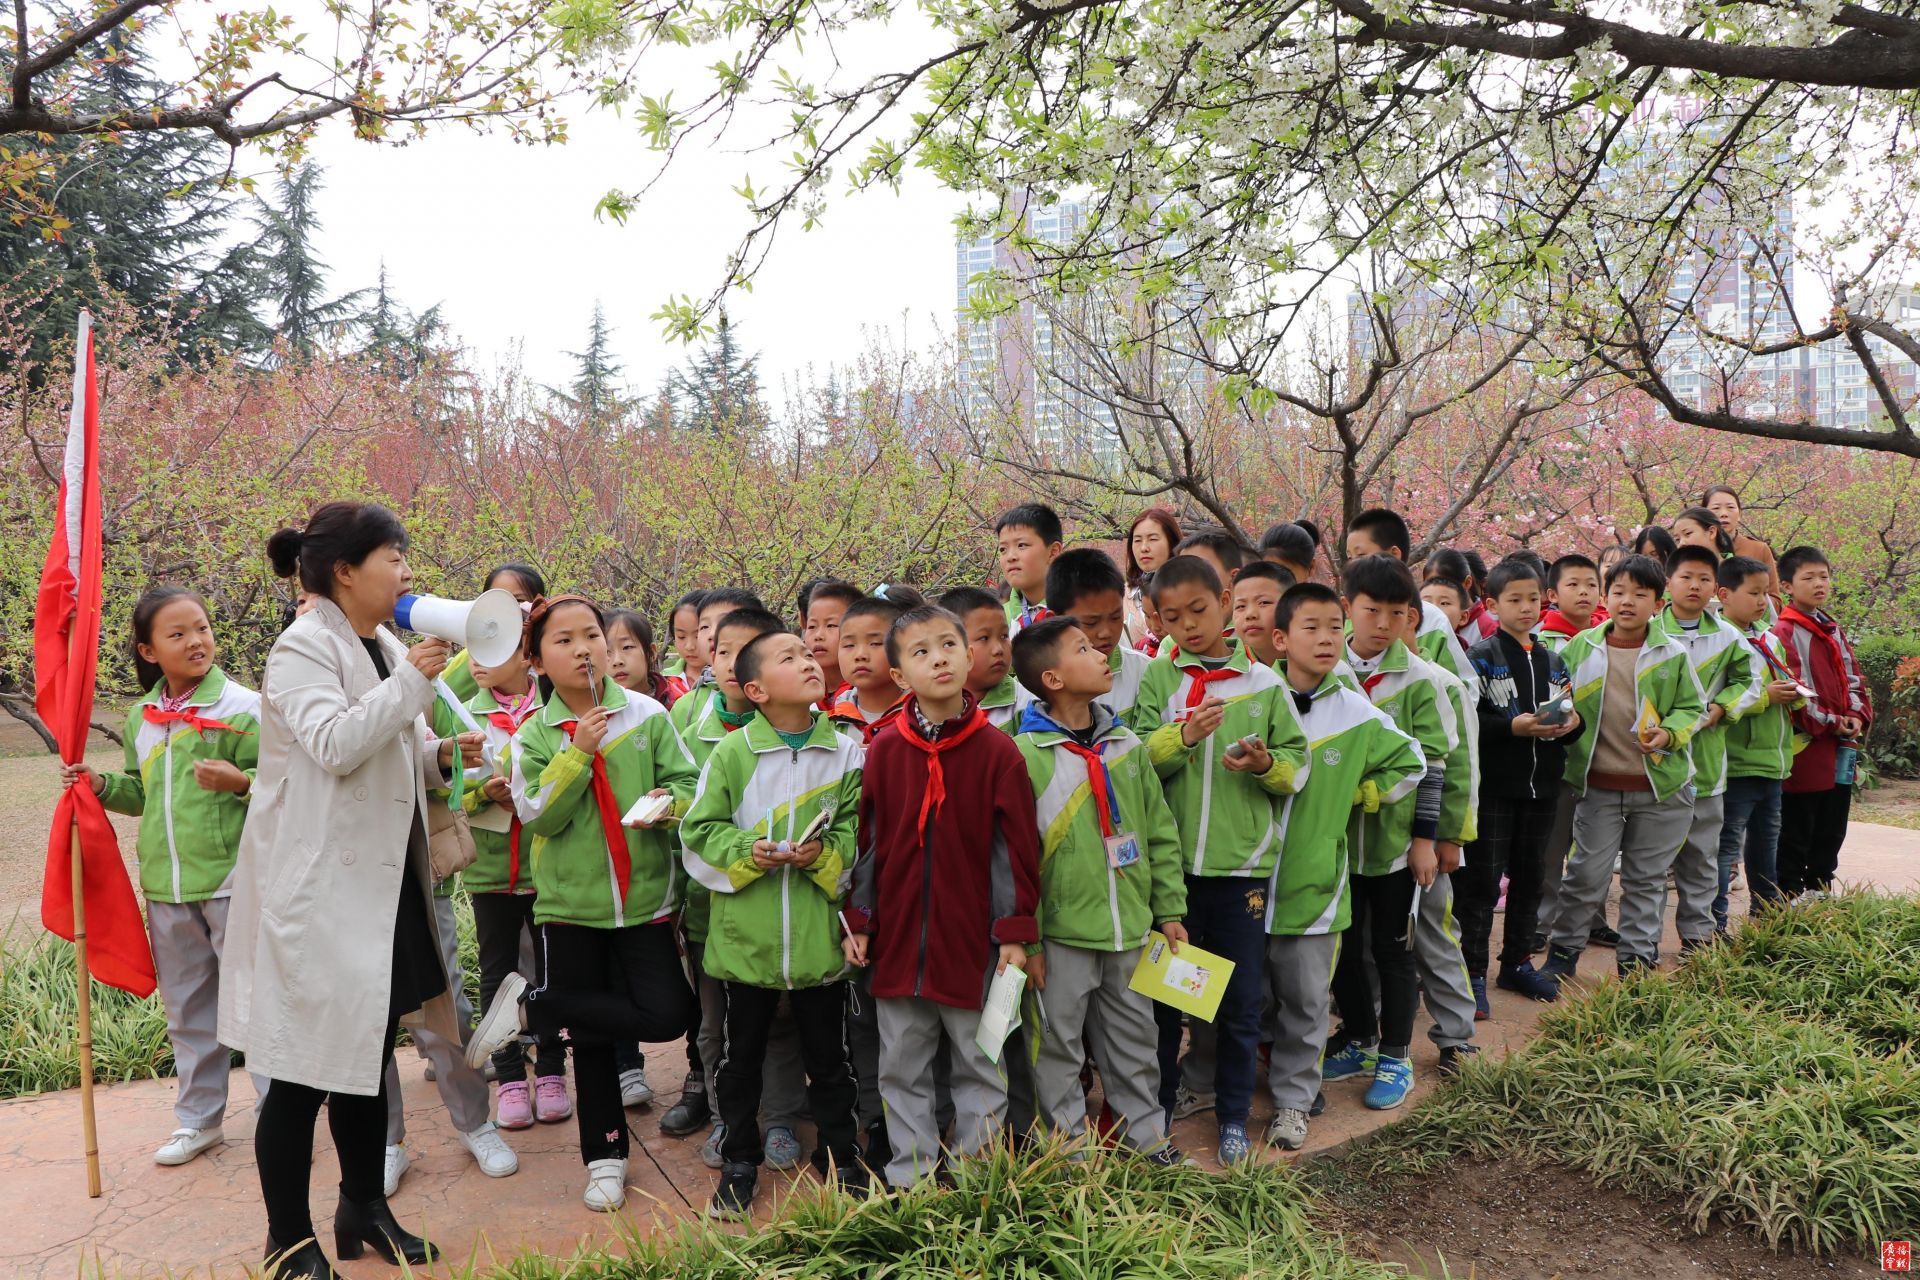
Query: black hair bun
[[283, 552]]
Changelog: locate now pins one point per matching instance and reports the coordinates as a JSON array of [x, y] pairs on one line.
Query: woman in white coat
[[331, 942]]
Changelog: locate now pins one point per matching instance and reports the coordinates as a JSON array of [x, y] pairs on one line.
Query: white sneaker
[[606, 1185], [1288, 1130], [398, 1162], [491, 1152], [634, 1089], [185, 1144], [1187, 1102], [503, 1020]]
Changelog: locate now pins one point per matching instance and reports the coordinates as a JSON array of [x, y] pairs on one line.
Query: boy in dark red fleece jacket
[[947, 818], [1817, 795]]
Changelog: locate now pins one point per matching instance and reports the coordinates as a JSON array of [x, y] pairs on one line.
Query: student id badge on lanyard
[[1123, 850]]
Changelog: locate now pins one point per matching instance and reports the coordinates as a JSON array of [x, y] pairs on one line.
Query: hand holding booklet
[[1001, 1013], [1192, 981], [647, 810]]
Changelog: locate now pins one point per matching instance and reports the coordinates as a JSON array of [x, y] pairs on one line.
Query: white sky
[[503, 236]]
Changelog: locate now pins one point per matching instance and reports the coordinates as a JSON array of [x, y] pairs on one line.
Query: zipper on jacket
[[926, 905], [786, 882], [173, 852]]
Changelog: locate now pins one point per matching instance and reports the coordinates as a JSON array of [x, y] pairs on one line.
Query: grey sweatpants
[[1300, 976], [1696, 870], [188, 941], [783, 1077], [909, 1043], [1441, 968], [1089, 1004], [1648, 834], [462, 1089]]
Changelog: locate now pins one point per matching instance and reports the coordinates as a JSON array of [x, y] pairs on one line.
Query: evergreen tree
[[595, 392], [296, 279], [720, 390], [396, 339]]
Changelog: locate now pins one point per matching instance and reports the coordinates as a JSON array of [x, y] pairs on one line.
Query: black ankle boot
[[356, 1224], [303, 1263]]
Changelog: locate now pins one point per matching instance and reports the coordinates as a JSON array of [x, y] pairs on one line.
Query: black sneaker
[[1319, 1104], [1450, 1056], [733, 1199], [1536, 943], [690, 1114], [1603, 935], [1561, 964], [1167, 1157], [854, 1179], [879, 1150]]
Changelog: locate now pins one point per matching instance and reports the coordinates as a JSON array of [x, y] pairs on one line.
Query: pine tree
[[295, 278], [396, 339], [595, 392], [720, 390]]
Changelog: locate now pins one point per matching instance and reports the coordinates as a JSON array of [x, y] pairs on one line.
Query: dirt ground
[[1513, 1221], [1894, 802]]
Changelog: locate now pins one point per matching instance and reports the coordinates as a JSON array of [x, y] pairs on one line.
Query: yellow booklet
[[1191, 982], [1648, 725]]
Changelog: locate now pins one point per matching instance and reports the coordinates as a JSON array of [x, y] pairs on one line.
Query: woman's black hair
[[145, 609], [1704, 517], [337, 533], [530, 577], [537, 627]]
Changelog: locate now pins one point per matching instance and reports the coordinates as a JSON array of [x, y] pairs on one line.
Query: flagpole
[[89, 1130]]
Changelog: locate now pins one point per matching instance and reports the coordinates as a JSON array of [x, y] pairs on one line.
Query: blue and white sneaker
[[1235, 1146], [1529, 981], [1482, 1011], [1392, 1082], [1352, 1060], [783, 1148]]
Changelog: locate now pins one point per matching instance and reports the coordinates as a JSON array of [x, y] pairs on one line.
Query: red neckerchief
[[507, 720], [1202, 677], [190, 718], [1105, 805], [1367, 685], [609, 818], [972, 721]]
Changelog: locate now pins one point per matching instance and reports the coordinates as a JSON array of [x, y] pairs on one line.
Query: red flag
[[66, 648]]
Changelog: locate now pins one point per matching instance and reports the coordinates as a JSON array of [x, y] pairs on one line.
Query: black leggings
[[283, 1148], [1380, 908], [606, 987]]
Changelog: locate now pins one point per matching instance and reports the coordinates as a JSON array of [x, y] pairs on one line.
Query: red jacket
[[939, 909], [1555, 623], [1822, 658]]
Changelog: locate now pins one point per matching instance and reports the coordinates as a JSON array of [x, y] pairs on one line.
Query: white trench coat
[[345, 762]]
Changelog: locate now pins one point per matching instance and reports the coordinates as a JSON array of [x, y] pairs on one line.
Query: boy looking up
[[1029, 538], [1109, 873], [870, 694], [945, 894], [1360, 758], [1086, 586], [1759, 746], [1629, 770], [827, 604], [1392, 849], [990, 654], [1732, 680], [1818, 794], [1226, 743], [1522, 761]]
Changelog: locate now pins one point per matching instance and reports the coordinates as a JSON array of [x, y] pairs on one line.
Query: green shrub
[[1772, 1083]]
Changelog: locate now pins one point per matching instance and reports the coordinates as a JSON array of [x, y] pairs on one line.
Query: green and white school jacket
[[1730, 673], [1662, 676], [1003, 704], [1763, 743], [1436, 642], [1405, 690], [778, 928], [189, 837], [1360, 760], [574, 873], [1460, 797], [493, 824], [1228, 821], [1129, 667], [1085, 901], [703, 732]]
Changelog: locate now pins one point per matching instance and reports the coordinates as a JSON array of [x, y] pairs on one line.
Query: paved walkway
[[205, 1219]]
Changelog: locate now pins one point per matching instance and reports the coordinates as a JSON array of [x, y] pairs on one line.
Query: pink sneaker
[[550, 1104], [515, 1106]]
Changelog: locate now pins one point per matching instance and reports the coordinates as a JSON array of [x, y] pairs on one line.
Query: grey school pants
[[1554, 862], [1648, 833], [783, 1077], [1696, 870], [1441, 968], [188, 941], [462, 1089], [1088, 1003], [1300, 976], [909, 1045]]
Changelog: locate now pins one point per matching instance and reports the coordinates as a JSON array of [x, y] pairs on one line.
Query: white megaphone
[[489, 625]]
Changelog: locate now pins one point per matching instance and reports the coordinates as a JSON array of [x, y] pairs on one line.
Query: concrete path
[[205, 1218]]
